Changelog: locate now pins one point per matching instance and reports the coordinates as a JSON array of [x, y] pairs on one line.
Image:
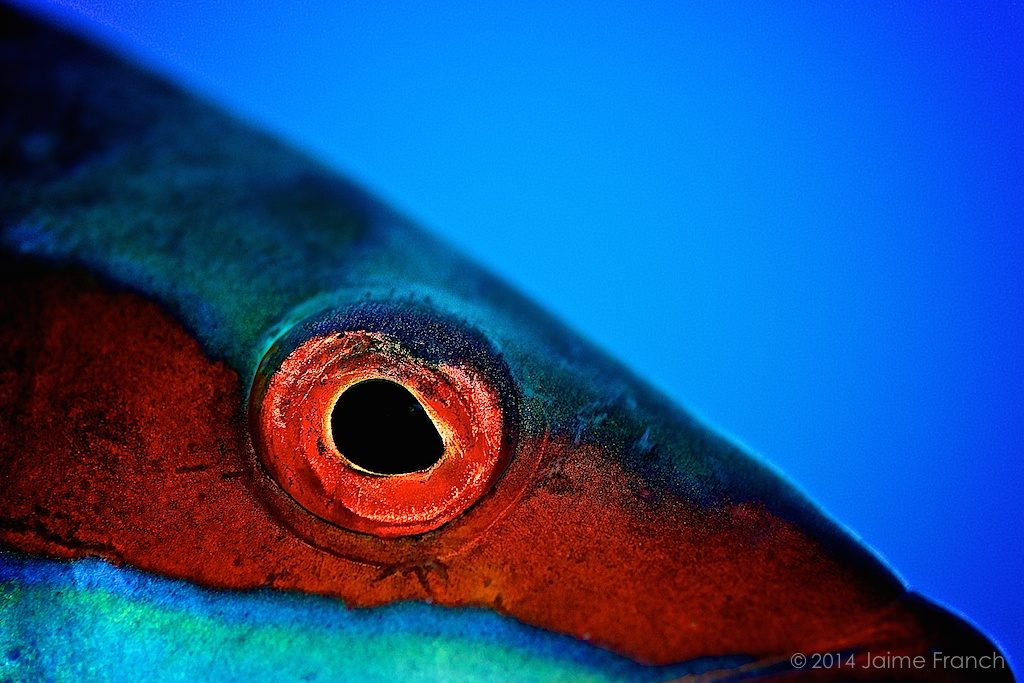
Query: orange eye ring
[[296, 445]]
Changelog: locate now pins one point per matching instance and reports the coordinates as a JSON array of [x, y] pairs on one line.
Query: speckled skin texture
[[161, 259]]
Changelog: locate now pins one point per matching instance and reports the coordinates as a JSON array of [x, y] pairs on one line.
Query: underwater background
[[806, 224]]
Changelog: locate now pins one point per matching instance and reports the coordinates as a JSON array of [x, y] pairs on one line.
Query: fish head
[[226, 366]]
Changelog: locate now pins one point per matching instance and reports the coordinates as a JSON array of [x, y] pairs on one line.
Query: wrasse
[[255, 424]]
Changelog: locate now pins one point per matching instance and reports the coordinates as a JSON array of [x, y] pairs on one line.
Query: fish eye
[[378, 430]]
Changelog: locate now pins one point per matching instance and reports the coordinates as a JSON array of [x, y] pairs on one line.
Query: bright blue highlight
[[806, 223]]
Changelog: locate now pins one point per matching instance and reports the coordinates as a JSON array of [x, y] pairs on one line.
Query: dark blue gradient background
[[805, 224]]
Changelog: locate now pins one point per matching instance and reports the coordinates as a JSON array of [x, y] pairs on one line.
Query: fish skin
[[622, 521]]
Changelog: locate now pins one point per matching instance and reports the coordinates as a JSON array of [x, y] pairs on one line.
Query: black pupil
[[380, 426]]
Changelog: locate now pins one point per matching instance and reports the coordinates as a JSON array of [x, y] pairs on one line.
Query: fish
[[257, 424]]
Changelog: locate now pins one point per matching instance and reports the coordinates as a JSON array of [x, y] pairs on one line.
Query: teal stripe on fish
[[88, 619]]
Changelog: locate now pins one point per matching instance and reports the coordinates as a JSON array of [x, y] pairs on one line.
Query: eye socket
[[369, 435], [379, 426]]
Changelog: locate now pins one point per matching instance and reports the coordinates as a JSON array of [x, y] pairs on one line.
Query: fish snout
[[924, 641], [915, 639]]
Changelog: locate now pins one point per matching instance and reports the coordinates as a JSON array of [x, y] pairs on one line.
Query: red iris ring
[[293, 432]]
